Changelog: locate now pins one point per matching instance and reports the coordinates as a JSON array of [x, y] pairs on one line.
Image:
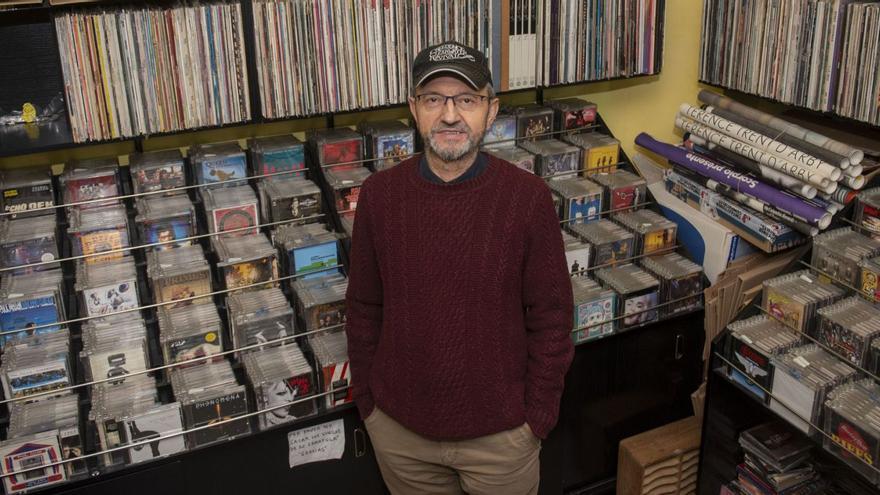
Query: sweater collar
[[488, 174]]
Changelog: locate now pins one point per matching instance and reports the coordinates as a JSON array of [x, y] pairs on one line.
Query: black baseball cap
[[452, 57]]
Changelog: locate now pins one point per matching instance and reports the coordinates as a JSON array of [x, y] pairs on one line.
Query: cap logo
[[449, 52]]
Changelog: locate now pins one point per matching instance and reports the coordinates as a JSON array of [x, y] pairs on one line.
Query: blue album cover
[[224, 168], [583, 209], [280, 160], [394, 147], [26, 314], [168, 230], [315, 257], [502, 132]]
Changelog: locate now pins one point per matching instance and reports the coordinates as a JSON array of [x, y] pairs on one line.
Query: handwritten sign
[[321, 442]]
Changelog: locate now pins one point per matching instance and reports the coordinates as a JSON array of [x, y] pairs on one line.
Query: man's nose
[[450, 113]]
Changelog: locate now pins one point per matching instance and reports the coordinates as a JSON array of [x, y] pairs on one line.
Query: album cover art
[[336, 376], [236, 217], [183, 286], [602, 159], [32, 380], [284, 159], [578, 260], [535, 127], [111, 298], [306, 205], [89, 188], [250, 272], [347, 199], [658, 240], [20, 200], [870, 288], [275, 395], [72, 448], [785, 309], [559, 163], [625, 197], [208, 412], [342, 152], [678, 288], [591, 314], [574, 119], [845, 343], [116, 363], [310, 258], [194, 347], [99, 241], [223, 169], [157, 423], [168, 229], [325, 315], [614, 252], [526, 163], [168, 176], [41, 249], [852, 443], [636, 309], [501, 133], [583, 209], [32, 452], [394, 148], [263, 331], [27, 314]]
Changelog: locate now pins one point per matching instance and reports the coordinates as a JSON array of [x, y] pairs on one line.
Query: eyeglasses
[[464, 102]]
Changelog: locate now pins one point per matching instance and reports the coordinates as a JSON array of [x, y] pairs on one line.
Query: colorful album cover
[[306, 205], [37, 250], [154, 424], [347, 199], [583, 209], [845, 343], [168, 176], [223, 169], [20, 200], [194, 347], [870, 220], [89, 188], [574, 119], [784, 308], [326, 315], [342, 152], [27, 314], [602, 159], [98, 241], [658, 240], [183, 287], [250, 272], [625, 197], [869, 284], [72, 448], [752, 364], [310, 258], [559, 163], [111, 298], [116, 363], [236, 217], [337, 376], [281, 160], [32, 380], [502, 133], [578, 260], [678, 288], [535, 127], [275, 395], [168, 229], [614, 252], [636, 309], [208, 412], [30, 452], [394, 148], [590, 315], [852, 443]]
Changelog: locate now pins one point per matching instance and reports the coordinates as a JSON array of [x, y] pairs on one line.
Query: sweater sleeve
[[548, 302], [363, 301]]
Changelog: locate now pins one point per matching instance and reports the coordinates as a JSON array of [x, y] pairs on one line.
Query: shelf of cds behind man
[[182, 301], [809, 353]]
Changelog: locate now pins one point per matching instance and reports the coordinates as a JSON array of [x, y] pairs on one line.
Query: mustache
[[461, 126]]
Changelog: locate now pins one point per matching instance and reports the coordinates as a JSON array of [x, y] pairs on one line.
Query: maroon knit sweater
[[459, 302]]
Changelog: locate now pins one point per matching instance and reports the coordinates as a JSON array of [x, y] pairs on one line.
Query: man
[[459, 300]]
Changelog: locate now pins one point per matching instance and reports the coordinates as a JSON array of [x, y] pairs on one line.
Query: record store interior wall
[[642, 104]]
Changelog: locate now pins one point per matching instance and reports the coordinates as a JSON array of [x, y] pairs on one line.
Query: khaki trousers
[[502, 463]]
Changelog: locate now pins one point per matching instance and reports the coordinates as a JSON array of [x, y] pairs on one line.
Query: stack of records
[[258, 317], [515, 155], [601, 152], [593, 309], [777, 460], [804, 376], [246, 261], [289, 198], [580, 200], [115, 406], [157, 171], [25, 241], [848, 327], [308, 250], [24, 192], [190, 332], [793, 298], [179, 273], [571, 114], [388, 143], [502, 133], [637, 294], [331, 356], [346, 186], [165, 219], [867, 212], [282, 379], [38, 364], [681, 282], [753, 342], [30, 305], [99, 229], [533, 122], [869, 284], [321, 301], [210, 394], [341, 147], [612, 244], [28, 452], [231, 208], [653, 232], [114, 346], [90, 180], [837, 253], [59, 415], [213, 164], [271, 155], [553, 157], [852, 421], [108, 287], [622, 190], [577, 255]]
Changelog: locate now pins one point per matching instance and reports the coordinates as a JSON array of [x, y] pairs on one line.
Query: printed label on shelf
[[322, 442]]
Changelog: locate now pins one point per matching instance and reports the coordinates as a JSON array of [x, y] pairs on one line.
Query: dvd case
[[271, 155], [157, 171], [24, 191]]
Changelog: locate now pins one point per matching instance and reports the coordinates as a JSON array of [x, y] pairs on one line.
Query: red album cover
[[342, 152], [236, 217]]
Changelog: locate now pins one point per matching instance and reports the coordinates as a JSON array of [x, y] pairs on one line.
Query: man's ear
[[494, 105], [412, 110]]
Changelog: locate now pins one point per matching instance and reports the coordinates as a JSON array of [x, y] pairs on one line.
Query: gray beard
[[456, 153]]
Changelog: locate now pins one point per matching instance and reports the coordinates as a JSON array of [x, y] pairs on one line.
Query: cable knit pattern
[[459, 302]]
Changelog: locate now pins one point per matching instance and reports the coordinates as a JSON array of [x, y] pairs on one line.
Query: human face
[[449, 133]]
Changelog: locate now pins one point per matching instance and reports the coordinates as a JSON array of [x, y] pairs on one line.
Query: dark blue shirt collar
[[479, 165]]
